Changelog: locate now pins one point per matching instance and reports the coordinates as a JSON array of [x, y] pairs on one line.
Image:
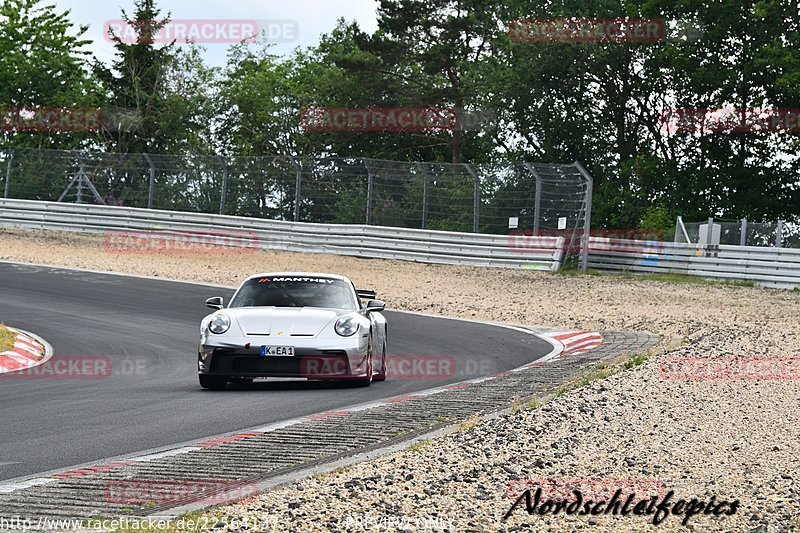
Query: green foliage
[[420, 445], [43, 64], [600, 103], [635, 360], [657, 218], [6, 338]]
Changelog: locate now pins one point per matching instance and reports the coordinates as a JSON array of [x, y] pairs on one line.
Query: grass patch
[[419, 445], [6, 338], [664, 277], [468, 424], [335, 471], [532, 403], [695, 280], [636, 360], [600, 371]]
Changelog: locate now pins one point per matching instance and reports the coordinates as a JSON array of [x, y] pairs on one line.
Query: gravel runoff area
[[727, 439]]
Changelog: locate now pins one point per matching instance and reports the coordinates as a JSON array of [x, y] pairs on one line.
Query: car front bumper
[[341, 361]]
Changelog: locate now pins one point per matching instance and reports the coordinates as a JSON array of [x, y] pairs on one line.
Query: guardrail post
[[8, 173], [224, 193], [424, 194], [151, 190], [587, 216], [369, 193], [476, 202], [779, 234], [743, 233], [709, 231]]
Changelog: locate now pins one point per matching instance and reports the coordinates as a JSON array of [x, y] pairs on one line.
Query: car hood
[[283, 321]]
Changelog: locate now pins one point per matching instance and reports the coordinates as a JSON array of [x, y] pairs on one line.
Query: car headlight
[[219, 323], [346, 326]]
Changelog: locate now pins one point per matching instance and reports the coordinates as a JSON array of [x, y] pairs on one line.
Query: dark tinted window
[[295, 292]]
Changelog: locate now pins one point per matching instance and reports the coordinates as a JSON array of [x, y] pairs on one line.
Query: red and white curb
[[575, 342], [29, 350], [572, 341]]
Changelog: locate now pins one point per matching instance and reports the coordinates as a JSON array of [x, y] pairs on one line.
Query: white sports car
[[296, 325]]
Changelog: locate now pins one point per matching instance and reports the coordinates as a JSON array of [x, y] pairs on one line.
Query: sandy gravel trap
[[714, 423]]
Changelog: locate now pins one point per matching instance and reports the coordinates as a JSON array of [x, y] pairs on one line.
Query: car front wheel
[[367, 381], [381, 376]]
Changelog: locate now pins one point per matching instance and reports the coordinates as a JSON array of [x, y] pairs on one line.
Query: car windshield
[[279, 291]]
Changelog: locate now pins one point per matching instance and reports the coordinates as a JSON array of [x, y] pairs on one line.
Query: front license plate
[[279, 351]]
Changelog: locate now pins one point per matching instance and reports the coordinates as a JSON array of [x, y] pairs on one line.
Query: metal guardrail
[[770, 267], [343, 239]]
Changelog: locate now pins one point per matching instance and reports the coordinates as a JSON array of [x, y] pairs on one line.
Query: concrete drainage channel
[[265, 457]]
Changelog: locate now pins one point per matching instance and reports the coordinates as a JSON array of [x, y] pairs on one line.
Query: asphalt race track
[[144, 333]]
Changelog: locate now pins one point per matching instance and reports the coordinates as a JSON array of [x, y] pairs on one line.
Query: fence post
[[224, 196], [81, 173], [476, 203], [369, 193], [297, 184], [587, 216], [8, 173], [709, 231], [779, 234], [424, 194], [743, 233], [537, 199], [152, 188]]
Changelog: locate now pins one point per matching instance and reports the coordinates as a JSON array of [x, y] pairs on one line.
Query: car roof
[[298, 275]]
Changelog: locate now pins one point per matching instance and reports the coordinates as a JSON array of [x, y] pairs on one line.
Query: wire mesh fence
[[454, 197], [741, 232]]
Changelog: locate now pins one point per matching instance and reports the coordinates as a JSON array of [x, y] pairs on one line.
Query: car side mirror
[[215, 302], [374, 306]]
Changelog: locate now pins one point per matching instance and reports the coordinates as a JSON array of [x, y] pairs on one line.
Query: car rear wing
[[369, 295]]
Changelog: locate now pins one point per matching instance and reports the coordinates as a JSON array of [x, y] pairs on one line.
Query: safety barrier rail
[[428, 246]]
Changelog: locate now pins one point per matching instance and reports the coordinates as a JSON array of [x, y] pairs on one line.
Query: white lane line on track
[[123, 274], [186, 447], [161, 455], [12, 487]]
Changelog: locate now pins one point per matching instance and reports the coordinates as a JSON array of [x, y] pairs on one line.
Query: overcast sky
[[312, 18]]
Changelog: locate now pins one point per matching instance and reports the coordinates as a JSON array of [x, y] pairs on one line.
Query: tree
[[43, 64], [135, 82]]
